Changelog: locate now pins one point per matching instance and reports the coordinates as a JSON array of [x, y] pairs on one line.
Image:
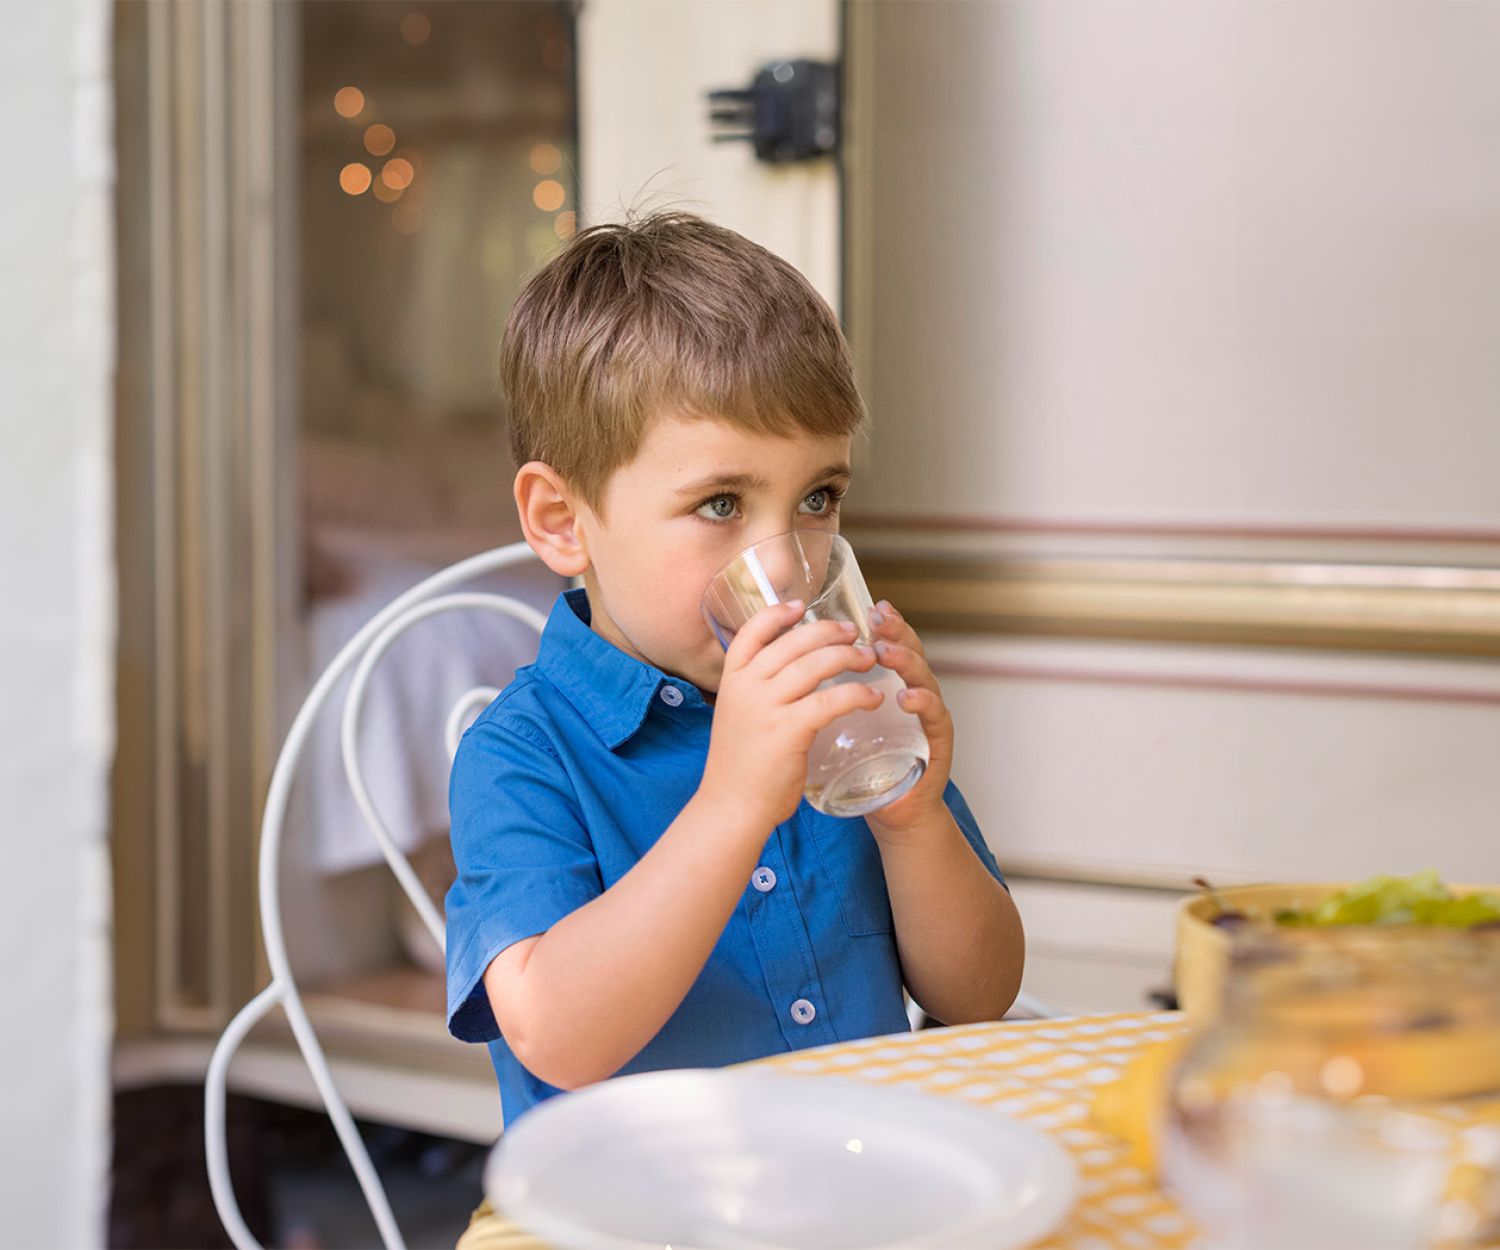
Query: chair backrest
[[362, 653]]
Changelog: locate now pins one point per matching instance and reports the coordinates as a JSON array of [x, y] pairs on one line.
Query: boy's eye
[[824, 502]]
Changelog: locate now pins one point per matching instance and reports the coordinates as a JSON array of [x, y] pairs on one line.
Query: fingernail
[[877, 619], [863, 649], [903, 697], [794, 604], [885, 606], [881, 648], [847, 626]]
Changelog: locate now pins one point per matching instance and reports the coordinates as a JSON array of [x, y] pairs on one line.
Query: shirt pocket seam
[[875, 919]]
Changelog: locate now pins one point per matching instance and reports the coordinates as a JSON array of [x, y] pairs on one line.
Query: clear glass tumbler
[[862, 760]]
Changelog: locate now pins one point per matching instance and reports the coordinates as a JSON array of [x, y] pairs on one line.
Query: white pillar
[[57, 619]]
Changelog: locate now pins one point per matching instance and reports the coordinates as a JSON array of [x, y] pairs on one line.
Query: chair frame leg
[[368, 644]]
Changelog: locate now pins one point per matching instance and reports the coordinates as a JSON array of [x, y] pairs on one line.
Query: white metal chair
[[365, 649]]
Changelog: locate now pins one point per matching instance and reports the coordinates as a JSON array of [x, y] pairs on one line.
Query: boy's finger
[[760, 630], [782, 651], [911, 666], [927, 705], [887, 623], [825, 706], [804, 674]]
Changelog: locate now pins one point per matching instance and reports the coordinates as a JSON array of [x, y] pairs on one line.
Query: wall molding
[[1220, 683], [1446, 610], [1206, 529]]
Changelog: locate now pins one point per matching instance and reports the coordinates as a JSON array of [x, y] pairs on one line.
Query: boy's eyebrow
[[748, 481]]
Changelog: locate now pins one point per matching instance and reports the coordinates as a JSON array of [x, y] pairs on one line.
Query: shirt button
[[671, 696], [763, 879], [803, 1011]]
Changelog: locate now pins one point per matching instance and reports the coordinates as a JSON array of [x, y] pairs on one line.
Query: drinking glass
[[1347, 1095], [864, 759]]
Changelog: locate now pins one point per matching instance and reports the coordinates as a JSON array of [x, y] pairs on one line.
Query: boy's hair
[[669, 313]]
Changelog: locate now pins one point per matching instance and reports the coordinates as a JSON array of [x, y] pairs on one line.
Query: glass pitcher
[[1346, 1096]]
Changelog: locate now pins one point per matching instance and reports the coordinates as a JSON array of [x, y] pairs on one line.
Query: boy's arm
[[958, 932], [581, 1000]]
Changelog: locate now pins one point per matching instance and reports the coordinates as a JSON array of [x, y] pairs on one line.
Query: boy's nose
[[794, 566]]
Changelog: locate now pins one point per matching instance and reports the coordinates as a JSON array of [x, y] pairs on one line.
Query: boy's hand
[[769, 708], [899, 649]]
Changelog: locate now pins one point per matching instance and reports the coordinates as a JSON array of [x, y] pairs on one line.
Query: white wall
[[1152, 271], [644, 70], [56, 621], [1181, 279], [1171, 263]]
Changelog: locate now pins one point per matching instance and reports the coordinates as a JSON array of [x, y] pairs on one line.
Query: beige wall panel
[[1093, 948], [1230, 264], [1155, 764]]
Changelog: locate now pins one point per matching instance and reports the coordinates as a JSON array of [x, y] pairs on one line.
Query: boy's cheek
[[710, 672]]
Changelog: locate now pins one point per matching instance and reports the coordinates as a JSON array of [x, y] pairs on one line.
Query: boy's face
[[674, 522]]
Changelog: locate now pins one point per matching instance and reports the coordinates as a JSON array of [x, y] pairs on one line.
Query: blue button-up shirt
[[569, 777]]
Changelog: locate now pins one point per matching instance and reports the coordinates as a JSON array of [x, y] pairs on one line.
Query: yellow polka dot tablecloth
[[1043, 1072]]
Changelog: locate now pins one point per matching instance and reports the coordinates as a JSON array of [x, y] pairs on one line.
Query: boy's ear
[[549, 519]]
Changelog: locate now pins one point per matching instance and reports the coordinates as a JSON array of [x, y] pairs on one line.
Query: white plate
[[754, 1159]]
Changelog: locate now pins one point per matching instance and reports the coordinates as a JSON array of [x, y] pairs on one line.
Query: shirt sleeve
[[524, 858], [959, 806]]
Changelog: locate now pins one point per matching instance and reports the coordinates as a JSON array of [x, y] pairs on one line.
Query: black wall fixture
[[790, 112]]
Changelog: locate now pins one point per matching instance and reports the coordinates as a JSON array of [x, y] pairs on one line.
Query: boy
[[640, 884]]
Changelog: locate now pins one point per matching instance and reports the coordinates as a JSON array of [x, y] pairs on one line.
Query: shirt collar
[[611, 690]]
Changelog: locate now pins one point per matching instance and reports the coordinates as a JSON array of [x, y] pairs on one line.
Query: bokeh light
[[565, 224], [386, 193], [379, 139], [545, 159], [548, 195], [406, 218], [397, 174], [349, 102], [416, 28], [355, 178]]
